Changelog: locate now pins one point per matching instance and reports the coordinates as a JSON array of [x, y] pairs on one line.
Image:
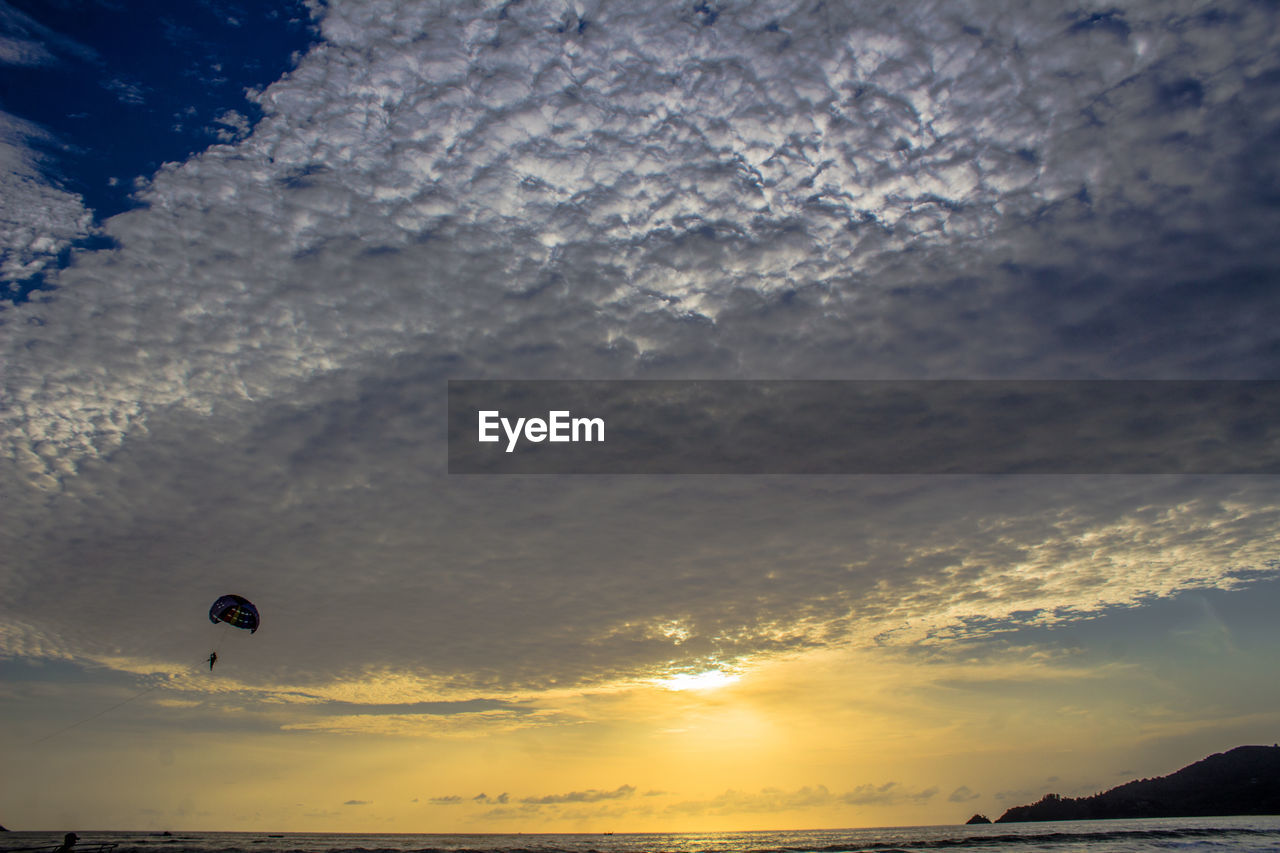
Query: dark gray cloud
[[486, 799], [451, 800], [363, 555], [889, 792]]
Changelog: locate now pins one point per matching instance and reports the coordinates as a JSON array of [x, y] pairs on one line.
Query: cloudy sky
[[243, 251]]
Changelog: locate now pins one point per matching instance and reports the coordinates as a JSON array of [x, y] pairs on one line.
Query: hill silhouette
[[1242, 781]]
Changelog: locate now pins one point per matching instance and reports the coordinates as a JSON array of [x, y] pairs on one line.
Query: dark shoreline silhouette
[[1242, 781]]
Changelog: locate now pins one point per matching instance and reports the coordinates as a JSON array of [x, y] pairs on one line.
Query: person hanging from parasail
[[237, 611]]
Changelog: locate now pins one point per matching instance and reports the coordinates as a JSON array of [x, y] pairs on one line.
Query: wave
[[1138, 838], [1255, 835]]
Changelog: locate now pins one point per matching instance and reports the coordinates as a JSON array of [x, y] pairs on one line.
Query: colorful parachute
[[235, 610]]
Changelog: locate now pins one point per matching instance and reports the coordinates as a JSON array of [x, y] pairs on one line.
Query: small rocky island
[[1242, 781], [978, 818]]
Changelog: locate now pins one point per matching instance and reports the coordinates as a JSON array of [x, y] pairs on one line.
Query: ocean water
[[1249, 834]]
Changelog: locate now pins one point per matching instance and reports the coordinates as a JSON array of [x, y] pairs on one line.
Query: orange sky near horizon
[[826, 739]]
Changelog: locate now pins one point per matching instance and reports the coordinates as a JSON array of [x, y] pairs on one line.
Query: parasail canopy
[[235, 610]]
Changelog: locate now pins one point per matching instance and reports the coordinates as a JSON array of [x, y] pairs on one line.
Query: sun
[[709, 680]]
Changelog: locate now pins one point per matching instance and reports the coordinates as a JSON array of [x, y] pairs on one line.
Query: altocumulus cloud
[[650, 181], [780, 190]]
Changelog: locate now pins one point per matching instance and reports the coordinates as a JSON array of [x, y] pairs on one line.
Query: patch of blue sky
[[137, 84]]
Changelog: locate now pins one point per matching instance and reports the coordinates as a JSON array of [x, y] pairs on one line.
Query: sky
[[245, 246]]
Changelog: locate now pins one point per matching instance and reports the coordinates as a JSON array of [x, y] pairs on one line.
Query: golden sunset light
[[697, 426]]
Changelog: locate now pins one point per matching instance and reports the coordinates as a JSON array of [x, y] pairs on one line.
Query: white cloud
[[646, 165], [246, 394], [37, 220]]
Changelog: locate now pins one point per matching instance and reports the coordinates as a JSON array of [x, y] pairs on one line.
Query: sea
[[1249, 834]]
